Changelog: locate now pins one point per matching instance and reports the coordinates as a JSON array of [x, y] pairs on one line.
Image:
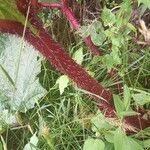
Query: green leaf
[[115, 55], [6, 118], [97, 33], [62, 81], [108, 61], [127, 97], [2, 43], [78, 56], [109, 137], [122, 142], [116, 41], [108, 17], [98, 38], [32, 144], [131, 144], [19, 83], [144, 2], [99, 122], [146, 143], [119, 140], [119, 105], [94, 144], [109, 146], [141, 98], [128, 113]]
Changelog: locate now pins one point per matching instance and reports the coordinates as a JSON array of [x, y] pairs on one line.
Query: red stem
[[50, 5]]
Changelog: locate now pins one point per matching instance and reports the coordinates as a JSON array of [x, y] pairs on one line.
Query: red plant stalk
[[49, 5], [64, 63]]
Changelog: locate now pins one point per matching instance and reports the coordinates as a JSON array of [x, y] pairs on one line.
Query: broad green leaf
[[109, 137], [122, 142], [108, 17], [109, 146], [119, 106], [2, 41], [141, 98], [32, 144], [99, 122], [116, 41], [19, 84], [145, 3], [127, 97], [97, 33], [119, 138], [94, 144], [62, 81], [6, 118], [131, 144], [98, 38], [146, 143], [78, 56], [108, 61]]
